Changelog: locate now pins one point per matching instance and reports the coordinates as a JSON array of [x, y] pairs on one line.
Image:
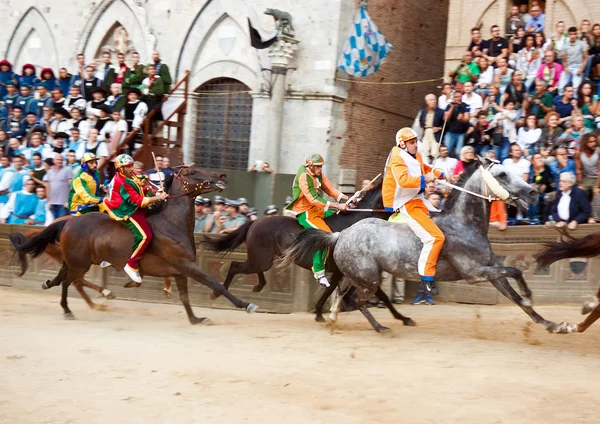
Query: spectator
[[95, 146], [571, 206], [457, 123], [57, 98], [516, 44], [48, 80], [167, 166], [232, 220], [116, 100], [98, 99], [218, 213], [478, 46], [26, 101], [473, 100], [516, 164], [75, 140], [120, 71], [574, 60], [479, 135], [134, 74], [14, 125], [523, 8], [585, 106], [542, 180], [154, 88], [12, 96], [117, 132], [89, 83], [202, 214], [560, 38], [74, 99], [541, 43], [431, 120], [490, 105], [162, 70], [497, 46], [517, 92], [243, 206], [58, 182], [28, 76], [594, 60], [444, 161], [80, 124], [66, 80], [514, 21], [529, 135], [260, 166], [61, 122], [486, 77], [506, 121], [562, 164], [271, 211], [394, 287], [40, 217], [565, 104], [36, 146], [571, 138], [587, 164], [103, 119], [435, 199], [157, 176], [445, 97], [503, 74], [537, 21], [21, 205], [80, 67], [467, 164], [529, 59], [6, 75], [37, 170], [43, 98], [541, 102], [467, 70], [550, 71], [3, 142], [135, 110], [106, 72], [551, 131], [31, 125], [72, 161]]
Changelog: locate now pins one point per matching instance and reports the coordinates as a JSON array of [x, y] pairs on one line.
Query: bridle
[[187, 187]]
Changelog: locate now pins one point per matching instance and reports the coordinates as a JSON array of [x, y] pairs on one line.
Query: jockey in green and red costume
[[123, 203], [311, 208]]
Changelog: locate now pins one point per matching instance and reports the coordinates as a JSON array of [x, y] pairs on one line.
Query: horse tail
[[568, 247], [36, 245], [230, 241], [307, 244]]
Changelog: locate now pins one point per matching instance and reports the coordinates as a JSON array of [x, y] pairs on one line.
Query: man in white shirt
[[445, 163], [472, 99], [116, 131], [95, 146], [571, 206], [516, 164]]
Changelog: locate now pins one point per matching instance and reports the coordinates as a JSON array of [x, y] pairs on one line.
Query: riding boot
[[321, 279], [430, 287]]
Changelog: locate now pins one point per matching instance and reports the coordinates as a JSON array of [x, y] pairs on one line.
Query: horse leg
[[590, 305], [589, 320], [84, 295], [62, 274], [235, 268], [63, 300], [335, 279], [336, 303], [397, 315], [167, 288], [376, 326], [262, 282], [192, 270], [182, 287], [489, 273], [104, 292], [506, 289]]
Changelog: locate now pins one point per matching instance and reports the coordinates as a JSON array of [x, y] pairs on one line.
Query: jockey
[[86, 190], [311, 209], [406, 176], [122, 204]]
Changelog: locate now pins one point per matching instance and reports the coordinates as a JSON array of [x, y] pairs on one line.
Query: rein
[[189, 190], [489, 198]]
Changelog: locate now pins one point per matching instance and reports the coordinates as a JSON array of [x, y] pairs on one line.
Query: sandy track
[[143, 363]]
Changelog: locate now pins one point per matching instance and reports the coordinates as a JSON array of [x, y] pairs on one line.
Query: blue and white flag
[[366, 47]]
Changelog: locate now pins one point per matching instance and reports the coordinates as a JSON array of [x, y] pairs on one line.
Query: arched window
[[224, 118]]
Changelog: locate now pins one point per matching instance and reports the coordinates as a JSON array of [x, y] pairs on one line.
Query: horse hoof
[[381, 329], [257, 288], [251, 308], [69, 316], [319, 318], [108, 294], [588, 306], [202, 320], [409, 322], [131, 284], [166, 293], [45, 285], [562, 328]]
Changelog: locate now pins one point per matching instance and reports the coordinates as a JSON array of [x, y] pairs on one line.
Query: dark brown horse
[[94, 237], [571, 247], [267, 238]]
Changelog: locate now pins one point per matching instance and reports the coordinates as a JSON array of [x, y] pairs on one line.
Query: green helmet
[[123, 160], [315, 160]]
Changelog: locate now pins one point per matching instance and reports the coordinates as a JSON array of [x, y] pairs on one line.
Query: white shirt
[[446, 164], [443, 102], [486, 77], [519, 169], [475, 102], [526, 139], [101, 151], [563, 206]]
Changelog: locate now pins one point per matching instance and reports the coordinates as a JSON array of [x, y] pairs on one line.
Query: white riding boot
[[133, 274], [321, 279], [105, 264]]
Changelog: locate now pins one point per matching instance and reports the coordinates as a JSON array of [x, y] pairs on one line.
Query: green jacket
[[133, 78], [157, 89], [165, 76]]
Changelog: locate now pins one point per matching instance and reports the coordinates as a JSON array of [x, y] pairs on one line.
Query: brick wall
[[374, 113]]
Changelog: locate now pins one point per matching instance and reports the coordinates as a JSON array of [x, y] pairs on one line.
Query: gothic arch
[[203, 31], [106, 17], [33, 23]]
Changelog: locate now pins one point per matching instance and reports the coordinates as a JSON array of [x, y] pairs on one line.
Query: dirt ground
[[144, 363]]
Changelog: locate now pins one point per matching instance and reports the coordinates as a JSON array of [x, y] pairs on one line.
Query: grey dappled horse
[[371, 246]]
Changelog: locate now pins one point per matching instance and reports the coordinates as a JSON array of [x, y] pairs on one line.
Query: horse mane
[[370, 196], [454, 194]]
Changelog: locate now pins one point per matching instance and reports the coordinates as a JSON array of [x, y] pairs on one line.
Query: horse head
[[196, 181], [506, 186]]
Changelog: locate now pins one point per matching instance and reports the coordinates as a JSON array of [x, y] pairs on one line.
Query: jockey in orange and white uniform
[[406, 176]]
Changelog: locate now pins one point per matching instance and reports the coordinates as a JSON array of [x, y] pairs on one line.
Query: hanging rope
[[390, 82]]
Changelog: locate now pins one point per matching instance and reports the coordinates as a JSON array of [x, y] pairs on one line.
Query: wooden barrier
[[293, 289]]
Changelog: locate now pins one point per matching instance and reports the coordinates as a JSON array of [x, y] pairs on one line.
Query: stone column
[[281, 53]]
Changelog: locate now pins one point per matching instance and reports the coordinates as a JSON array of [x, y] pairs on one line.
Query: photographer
[[467, 70]]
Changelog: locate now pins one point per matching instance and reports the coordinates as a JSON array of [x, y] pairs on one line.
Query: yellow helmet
[[88, 156], [404, 135]]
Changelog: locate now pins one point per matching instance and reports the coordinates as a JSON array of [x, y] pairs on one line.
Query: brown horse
[[94, 237], [571, 247]]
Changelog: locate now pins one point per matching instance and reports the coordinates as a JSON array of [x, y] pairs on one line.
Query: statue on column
[[283, 20]]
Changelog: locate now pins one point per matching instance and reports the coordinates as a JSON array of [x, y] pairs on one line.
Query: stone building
[[275, 105], [466, 14]]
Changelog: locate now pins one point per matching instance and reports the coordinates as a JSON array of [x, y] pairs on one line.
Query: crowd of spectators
[[530, 101]]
